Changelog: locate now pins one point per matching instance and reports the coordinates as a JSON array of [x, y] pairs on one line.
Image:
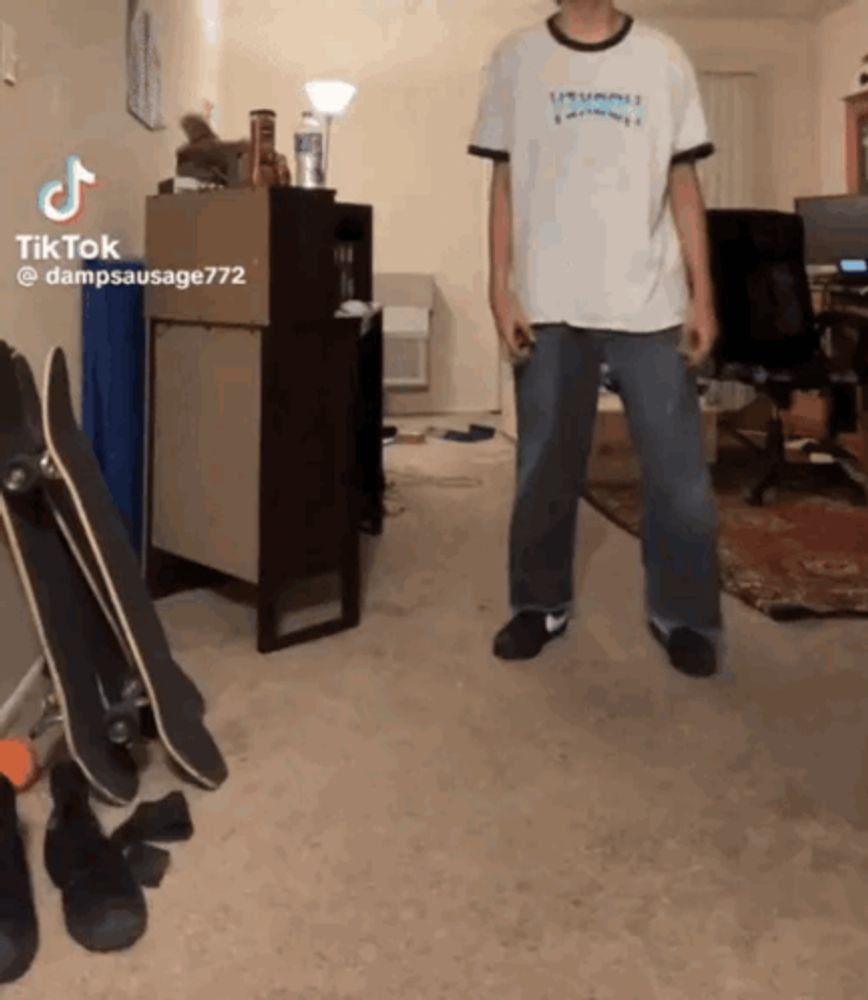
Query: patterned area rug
[[804, 554]]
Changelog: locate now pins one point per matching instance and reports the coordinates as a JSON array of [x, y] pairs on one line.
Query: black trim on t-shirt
[[562, 38], [498, 155], [694, 154]]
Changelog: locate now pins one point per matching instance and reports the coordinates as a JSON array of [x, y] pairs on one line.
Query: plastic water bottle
[[309, 152]]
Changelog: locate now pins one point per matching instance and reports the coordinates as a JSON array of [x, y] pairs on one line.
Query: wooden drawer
[[222, 229]]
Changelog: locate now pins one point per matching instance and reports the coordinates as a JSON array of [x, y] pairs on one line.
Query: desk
[[837, 296], [854, 301]]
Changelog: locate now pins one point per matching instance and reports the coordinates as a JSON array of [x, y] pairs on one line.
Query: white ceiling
[[736, 8], [805, 9], [687, 8]]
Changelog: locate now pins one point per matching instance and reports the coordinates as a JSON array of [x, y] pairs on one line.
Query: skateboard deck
[[71, 626], [120, 692], [174, 699]]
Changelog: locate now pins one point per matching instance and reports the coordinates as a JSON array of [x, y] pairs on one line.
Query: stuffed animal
[[208, 158]]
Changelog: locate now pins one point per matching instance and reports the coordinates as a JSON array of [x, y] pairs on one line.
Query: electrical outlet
[[8, 54]]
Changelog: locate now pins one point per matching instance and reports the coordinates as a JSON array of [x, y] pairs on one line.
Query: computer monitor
[[836, 228]]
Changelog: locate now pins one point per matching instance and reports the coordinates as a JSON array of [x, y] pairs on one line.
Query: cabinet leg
[[266, 619], [269, 639]]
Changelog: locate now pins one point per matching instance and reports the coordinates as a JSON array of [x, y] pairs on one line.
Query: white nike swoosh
[[554, 622]]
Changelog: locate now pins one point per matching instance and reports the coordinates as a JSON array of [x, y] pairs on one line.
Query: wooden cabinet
[[264, 409]]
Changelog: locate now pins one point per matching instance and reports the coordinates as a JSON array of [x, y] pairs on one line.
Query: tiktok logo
[[68, 210]]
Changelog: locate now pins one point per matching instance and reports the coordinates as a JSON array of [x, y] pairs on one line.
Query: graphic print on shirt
[[568, 105]]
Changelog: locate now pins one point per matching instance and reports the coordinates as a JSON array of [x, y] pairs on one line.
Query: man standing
[[599, 255]]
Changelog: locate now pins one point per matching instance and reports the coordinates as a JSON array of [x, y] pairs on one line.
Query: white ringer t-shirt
[[590, 132]]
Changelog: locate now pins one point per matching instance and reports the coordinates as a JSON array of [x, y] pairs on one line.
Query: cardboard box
[[808, 416]]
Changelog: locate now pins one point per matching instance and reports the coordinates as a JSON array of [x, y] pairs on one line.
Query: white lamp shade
[[330, 97]]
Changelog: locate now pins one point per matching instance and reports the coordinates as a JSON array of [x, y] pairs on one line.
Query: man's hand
[[700, 332], [512, 325]]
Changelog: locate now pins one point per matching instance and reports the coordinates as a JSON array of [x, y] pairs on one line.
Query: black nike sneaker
[[689, 652], [524, 636]]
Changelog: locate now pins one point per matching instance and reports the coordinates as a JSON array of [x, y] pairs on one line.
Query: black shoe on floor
[[689, 652], [103, 903], [166, 821], [524, 636], [19, 935], [147, 862]]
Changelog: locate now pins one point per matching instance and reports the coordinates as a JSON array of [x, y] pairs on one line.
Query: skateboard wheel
[[122, 731], [47, 467], [20, 476]]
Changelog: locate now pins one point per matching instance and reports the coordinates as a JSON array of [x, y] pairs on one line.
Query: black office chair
[[772, 340]]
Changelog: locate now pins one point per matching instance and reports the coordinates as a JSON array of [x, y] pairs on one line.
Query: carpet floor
[[408, 819]]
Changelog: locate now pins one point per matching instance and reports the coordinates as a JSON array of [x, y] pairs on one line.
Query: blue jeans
[[557, 390]]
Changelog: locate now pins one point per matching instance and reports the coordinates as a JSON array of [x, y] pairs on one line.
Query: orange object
[[18, 763]]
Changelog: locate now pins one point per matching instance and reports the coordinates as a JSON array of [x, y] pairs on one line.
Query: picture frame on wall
[[857, 143], [144, 66]]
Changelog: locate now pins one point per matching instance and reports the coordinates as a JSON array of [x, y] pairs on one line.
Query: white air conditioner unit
[[408, 305]]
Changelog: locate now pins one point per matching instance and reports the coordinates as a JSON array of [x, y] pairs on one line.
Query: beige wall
[[842, 40], [782, 53], [402, 146], [70, 98]]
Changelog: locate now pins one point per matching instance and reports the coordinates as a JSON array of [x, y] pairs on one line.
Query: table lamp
[[329, 98]]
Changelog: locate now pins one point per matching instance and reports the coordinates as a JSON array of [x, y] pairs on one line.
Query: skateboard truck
[[124, 723], [124, 716], [23, 472], [51, 716]]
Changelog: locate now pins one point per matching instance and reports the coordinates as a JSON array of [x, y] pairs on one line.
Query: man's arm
[[512, 326], [688, 211], [500, 233]]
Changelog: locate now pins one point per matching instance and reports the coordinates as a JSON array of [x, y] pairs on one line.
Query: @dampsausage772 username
[[181, 278]]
